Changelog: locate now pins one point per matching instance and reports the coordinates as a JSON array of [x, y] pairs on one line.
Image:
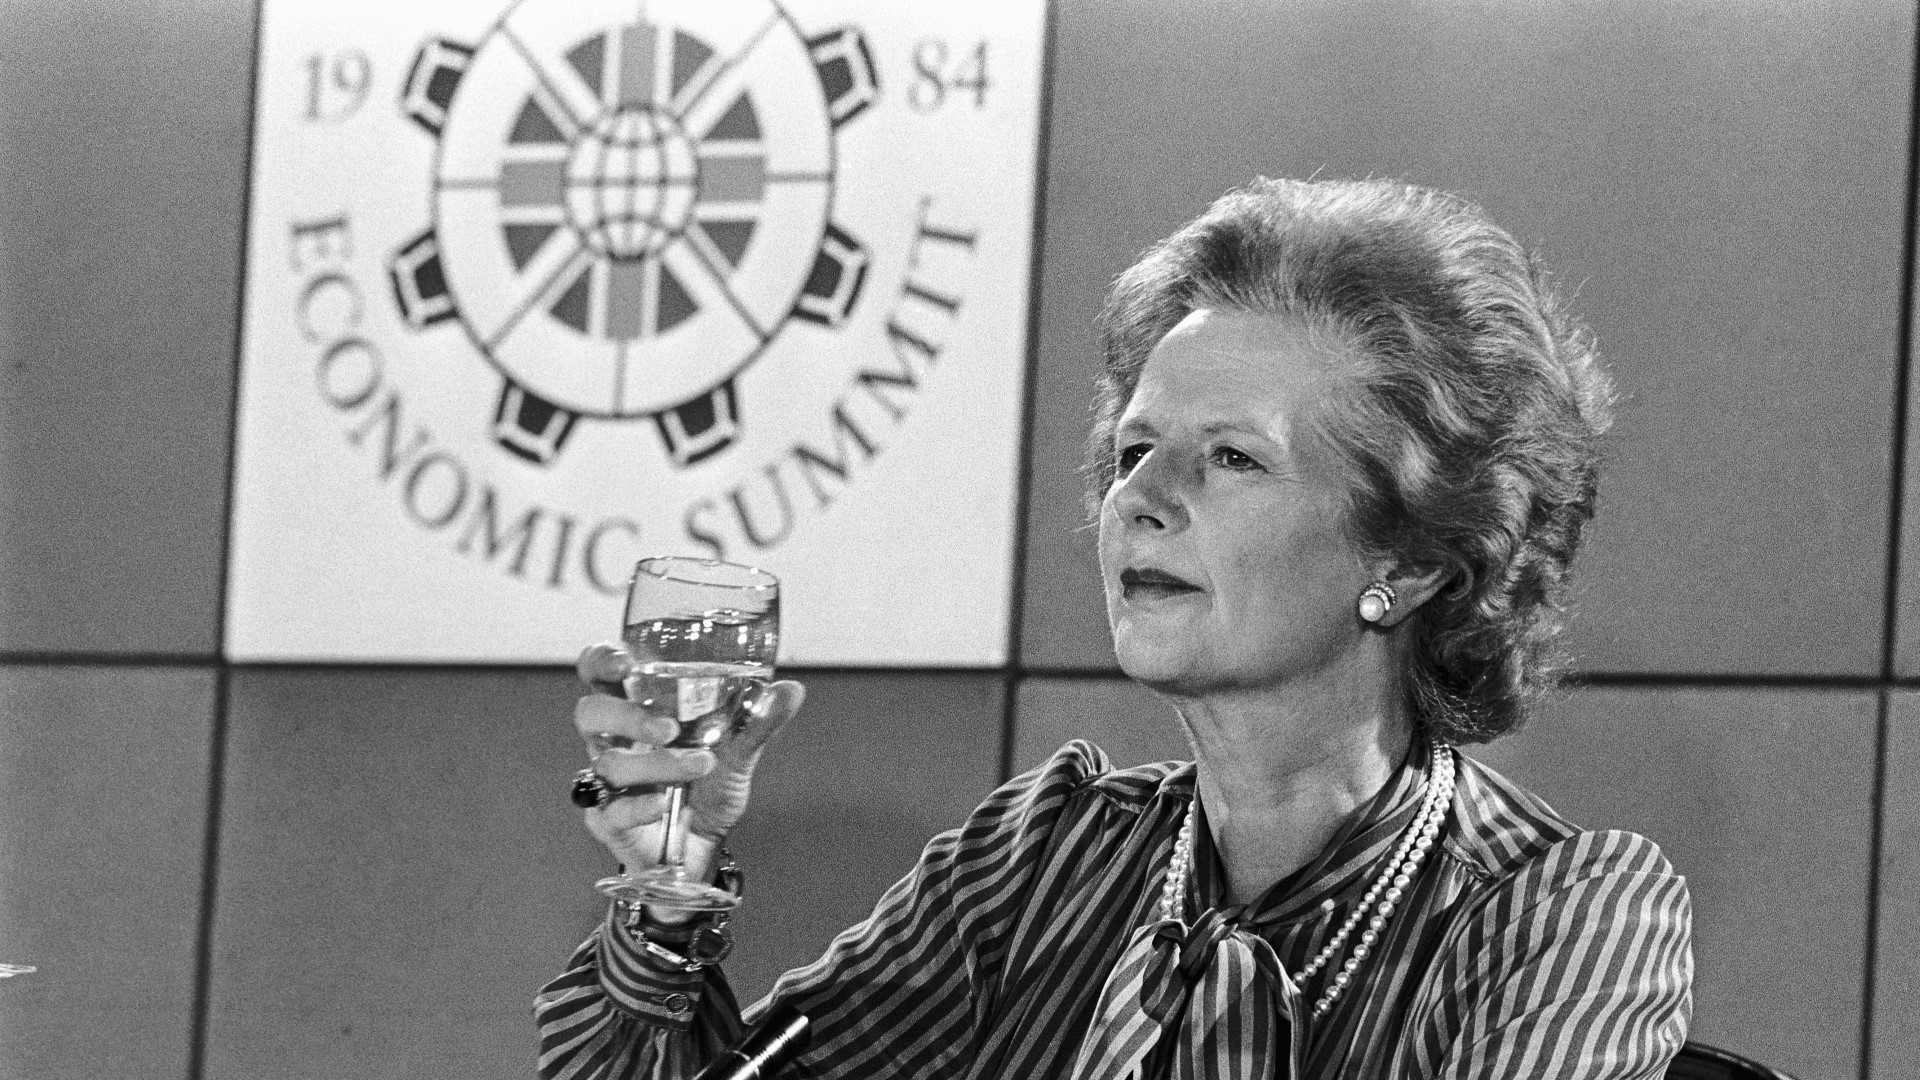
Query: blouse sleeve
[[899, 994], [618, 1012], [1579, 967]]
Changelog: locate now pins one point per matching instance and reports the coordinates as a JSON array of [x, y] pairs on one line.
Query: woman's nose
[[1148, 496]]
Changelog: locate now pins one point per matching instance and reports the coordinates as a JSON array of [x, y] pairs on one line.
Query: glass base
[[667, 888]]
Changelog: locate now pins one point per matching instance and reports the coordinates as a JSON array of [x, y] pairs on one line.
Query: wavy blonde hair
[[1466, 428]]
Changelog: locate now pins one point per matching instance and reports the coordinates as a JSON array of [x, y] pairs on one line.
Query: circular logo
[[626, 215]]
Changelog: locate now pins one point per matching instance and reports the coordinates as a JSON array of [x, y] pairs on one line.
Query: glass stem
[[672, 852]]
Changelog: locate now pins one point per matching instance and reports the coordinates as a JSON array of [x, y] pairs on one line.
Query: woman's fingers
[[650, 765], [604, 667], [618, 823], [597, 714], [628, 752], [777, 704]]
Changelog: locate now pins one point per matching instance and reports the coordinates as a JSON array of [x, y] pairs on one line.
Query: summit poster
[[535, 289]]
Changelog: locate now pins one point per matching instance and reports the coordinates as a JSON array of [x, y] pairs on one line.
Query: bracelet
[[708, 943]]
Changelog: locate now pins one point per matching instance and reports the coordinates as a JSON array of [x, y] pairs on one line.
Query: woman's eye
[[1228, 457], [1130, 456]]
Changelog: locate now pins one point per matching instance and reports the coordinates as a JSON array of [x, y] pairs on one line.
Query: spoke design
[[731, 63], [722, 281], [534, 296], [570, 124]]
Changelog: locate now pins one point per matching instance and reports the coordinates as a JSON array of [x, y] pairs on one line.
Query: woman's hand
[[718, 781]]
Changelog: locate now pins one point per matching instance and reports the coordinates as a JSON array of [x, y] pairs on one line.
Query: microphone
[[774, 1041]]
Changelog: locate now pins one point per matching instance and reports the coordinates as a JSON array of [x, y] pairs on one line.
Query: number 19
[[336, 90]]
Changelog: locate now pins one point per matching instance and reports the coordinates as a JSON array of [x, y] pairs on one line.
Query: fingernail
[[601, 742]]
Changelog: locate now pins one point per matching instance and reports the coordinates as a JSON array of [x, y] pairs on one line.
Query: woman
[[1343, 459]]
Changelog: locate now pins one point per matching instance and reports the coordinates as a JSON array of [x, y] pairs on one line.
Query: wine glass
[[702, 634]]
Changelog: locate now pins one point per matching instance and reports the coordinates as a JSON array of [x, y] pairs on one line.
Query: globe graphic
[[630, 183]]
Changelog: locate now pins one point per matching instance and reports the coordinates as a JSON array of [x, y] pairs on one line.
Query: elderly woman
[[1343, 459]]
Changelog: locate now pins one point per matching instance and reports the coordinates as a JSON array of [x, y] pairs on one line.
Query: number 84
[[934, 79]]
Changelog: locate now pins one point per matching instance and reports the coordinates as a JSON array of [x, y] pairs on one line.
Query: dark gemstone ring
[[589, 790]]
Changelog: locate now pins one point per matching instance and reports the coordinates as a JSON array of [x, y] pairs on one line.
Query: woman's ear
[[1412, 587]]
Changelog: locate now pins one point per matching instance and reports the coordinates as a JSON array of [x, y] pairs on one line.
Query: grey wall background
[[267, 872]]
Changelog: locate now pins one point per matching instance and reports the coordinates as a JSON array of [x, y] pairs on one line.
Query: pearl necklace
[[1388, 888]]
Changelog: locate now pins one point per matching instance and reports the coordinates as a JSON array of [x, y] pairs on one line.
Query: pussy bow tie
[[1215, 988]]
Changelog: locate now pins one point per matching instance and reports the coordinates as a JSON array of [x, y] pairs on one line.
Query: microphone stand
[[761, 1053]]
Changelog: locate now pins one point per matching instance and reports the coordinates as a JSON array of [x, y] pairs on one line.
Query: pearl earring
[[1376, 601]]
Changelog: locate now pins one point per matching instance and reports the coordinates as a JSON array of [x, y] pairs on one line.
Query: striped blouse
[[1526, 947]]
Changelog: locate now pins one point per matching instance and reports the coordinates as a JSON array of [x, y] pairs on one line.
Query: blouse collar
[[1341, 868]]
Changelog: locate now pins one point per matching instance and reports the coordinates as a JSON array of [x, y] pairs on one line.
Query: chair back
[[1700, 1062]]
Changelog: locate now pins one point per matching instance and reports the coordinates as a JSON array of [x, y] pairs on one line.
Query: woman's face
[[1221, 545]]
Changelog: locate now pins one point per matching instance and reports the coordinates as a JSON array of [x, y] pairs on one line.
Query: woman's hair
[[1465, 428]]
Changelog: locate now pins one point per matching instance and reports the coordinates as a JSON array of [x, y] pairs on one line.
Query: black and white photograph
[[959, 540]]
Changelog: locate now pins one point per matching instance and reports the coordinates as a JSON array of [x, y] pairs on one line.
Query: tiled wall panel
[[123, 133], [1128, 721], [400, 870], [1896, 995], [1721, 183], [103, 782], [1762, 798]]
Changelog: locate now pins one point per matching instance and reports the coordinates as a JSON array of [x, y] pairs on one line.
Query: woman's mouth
[[1150, 584]]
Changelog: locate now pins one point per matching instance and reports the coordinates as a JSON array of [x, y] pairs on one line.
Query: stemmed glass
[[702, 634]]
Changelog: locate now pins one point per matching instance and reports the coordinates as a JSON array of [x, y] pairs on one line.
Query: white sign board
[[536, 289]]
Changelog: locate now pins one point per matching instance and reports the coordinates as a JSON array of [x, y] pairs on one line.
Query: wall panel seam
[[1876, 810], [1023, 455], [209, 877]]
